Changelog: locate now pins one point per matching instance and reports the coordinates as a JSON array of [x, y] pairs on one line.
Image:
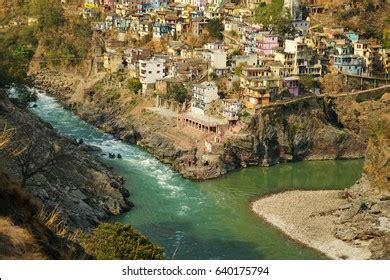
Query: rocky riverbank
[[310, 130], [349, 224], [58, 172]]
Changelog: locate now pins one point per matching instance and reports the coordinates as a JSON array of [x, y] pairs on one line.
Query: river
[[206, 220]]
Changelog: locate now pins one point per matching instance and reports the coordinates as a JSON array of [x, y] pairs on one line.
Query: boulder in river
[[111, 155], [90, 148]]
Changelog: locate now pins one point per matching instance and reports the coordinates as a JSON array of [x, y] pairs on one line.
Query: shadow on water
[[189, 246]]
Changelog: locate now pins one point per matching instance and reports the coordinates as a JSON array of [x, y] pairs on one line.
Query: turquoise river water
[[206, 220]]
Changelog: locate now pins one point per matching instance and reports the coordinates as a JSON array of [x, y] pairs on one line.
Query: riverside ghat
[[203, 220]]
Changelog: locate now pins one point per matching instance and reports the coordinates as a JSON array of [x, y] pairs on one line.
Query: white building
[[202, 95], [298, 59], [150, 71], [213, 46], [219, 62]]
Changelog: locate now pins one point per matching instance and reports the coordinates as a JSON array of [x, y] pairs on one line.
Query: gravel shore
[[310, 218]]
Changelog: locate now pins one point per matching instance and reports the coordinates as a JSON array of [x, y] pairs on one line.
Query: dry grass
[[18, 243], [6, 136], [53, 221]]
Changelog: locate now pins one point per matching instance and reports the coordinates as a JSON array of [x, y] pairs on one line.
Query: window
[[158, 72], [150, 72]]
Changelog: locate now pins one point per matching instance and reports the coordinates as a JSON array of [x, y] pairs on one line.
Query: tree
[[238, 69], [308, 82], [275, 17], [134, 85], [11, 70], [32, 156], [50, 13], [178, 92], [215, 28], [236, 86], [17, 47], [120, 242], [235, 53]]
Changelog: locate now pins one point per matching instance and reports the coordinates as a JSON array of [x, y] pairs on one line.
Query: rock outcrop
[[367, 219], [58, 172]]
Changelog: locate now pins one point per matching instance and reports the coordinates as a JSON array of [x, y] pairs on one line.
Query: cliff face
[[367, 219], [298, 131], [314, 129], [58, 173], [376, 164]]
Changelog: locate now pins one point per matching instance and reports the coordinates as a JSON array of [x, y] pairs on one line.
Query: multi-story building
[[219, 62], [248, 40], [202, 95], [349, 64], [299, 59], [370, 51], [150, 71], [385, 58], [266, 43], [133, 56], [231, 109], [258, 84], [292, 85]]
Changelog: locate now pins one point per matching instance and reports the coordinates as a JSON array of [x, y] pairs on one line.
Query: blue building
[[352, 36], [161, 29], [349, 64]]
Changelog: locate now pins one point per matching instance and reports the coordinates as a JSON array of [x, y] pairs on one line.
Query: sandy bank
[[310, 217]]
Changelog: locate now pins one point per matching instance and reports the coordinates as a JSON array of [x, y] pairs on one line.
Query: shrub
[[120, 242], [215, 28], [134, 85], [178, 93]]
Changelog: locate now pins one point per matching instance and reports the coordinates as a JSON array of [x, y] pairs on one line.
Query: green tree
[[120, 242], [235, 53], [134, 85], [239, 67], [308, 82], [236, 85], [273, 16], [17, 47], [215, 28], [178, 92], [50, 13]]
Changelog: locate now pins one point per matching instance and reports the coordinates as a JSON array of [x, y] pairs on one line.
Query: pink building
[[292, 84], [199, 3], [108, 2], [266, 44]]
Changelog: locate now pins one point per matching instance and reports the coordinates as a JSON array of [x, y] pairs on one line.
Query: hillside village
[[209, 66], [206, 87]]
